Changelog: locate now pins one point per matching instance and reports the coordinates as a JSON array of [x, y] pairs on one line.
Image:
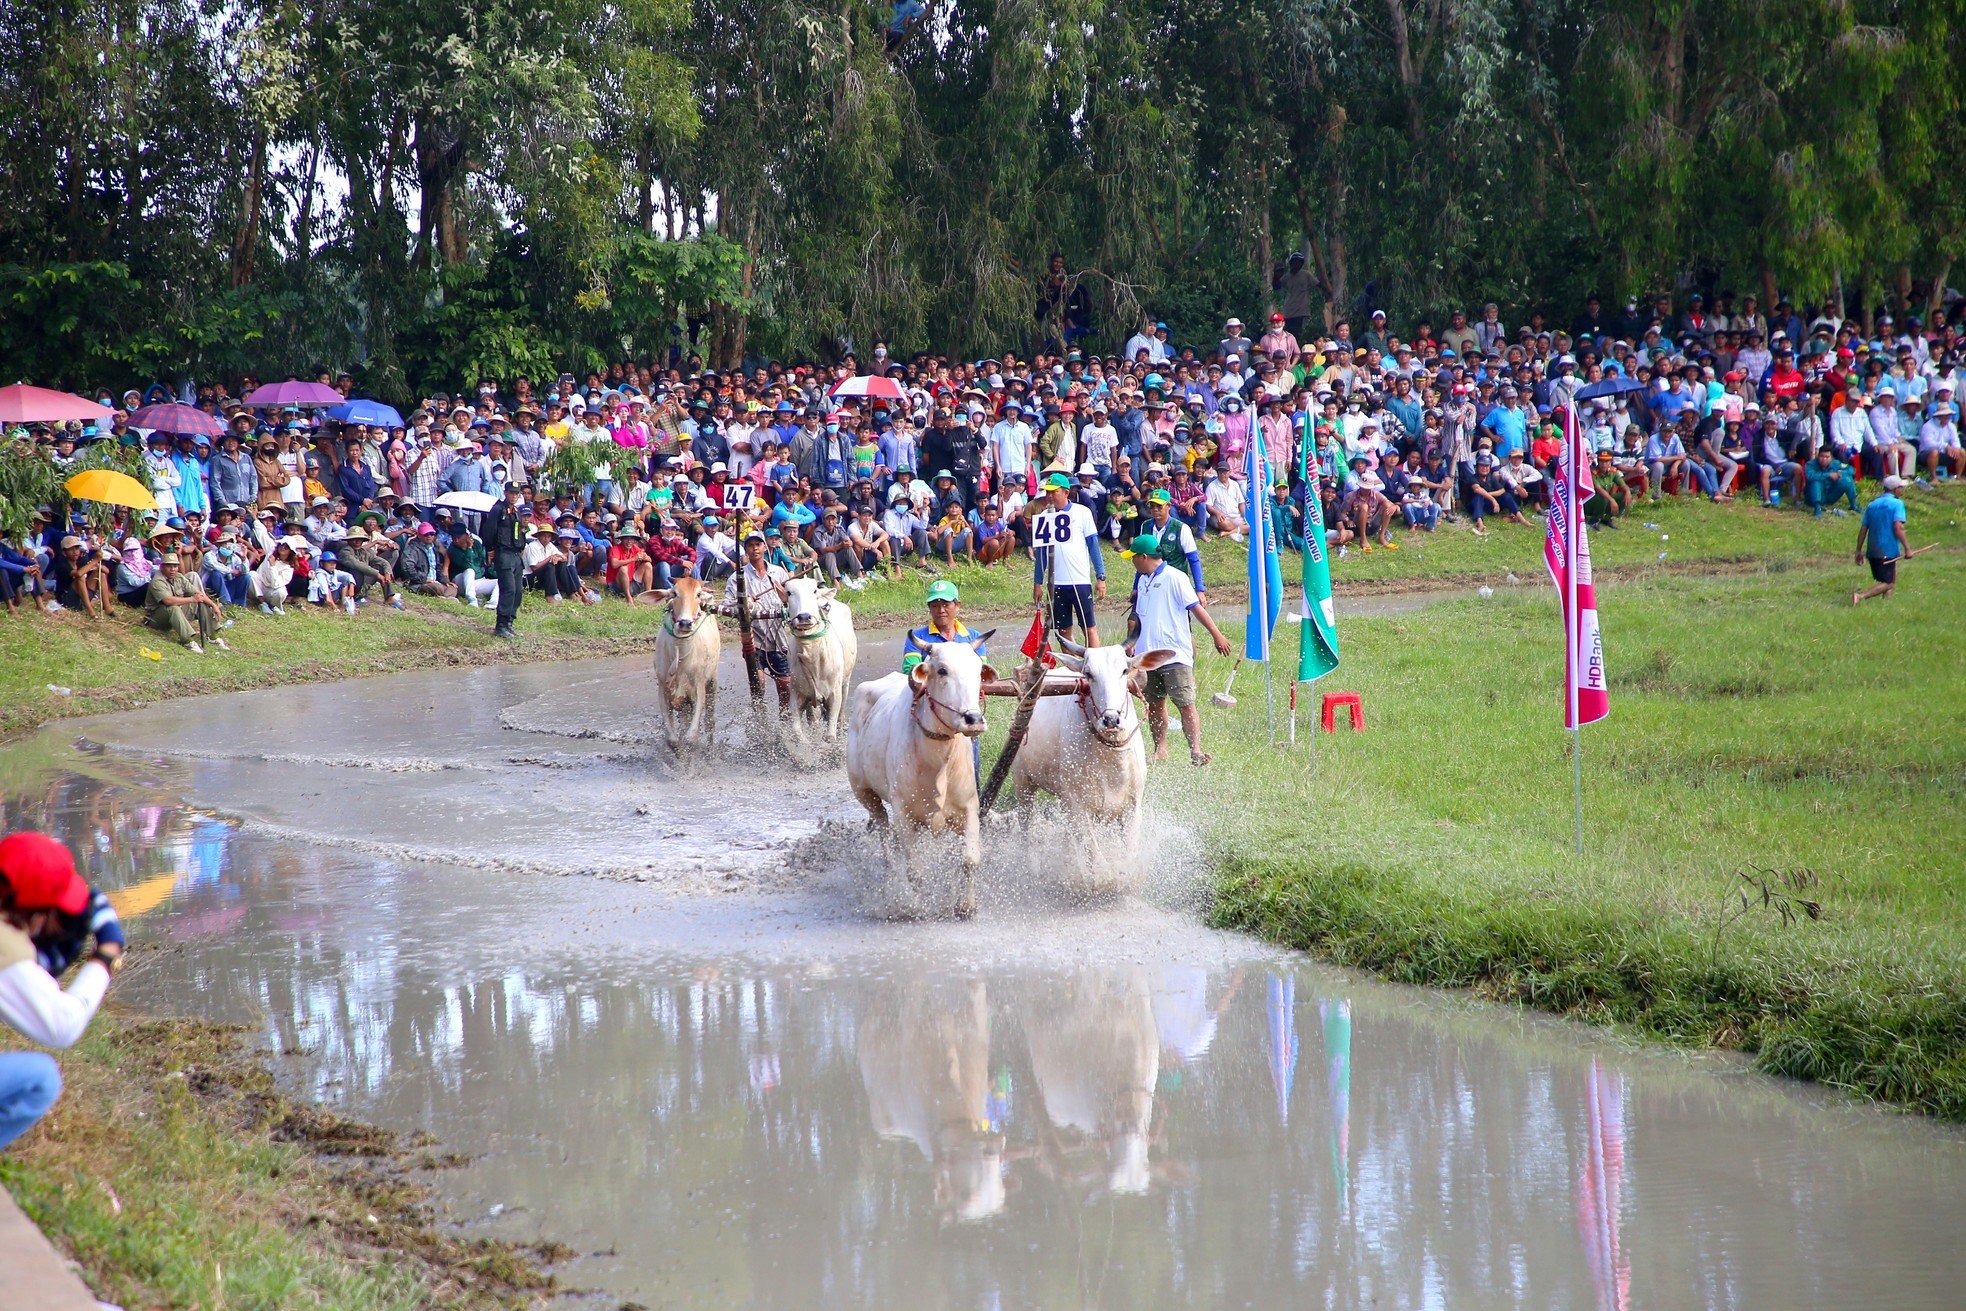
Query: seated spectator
[[951, 534], [1224, 499], [871, 544], [1489, 494], [1366, 506], [1827, 480], [1612, 495], [834, 545], [994, 540]]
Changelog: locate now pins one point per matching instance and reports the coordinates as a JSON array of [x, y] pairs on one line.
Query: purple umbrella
[[179, 420], [293, 392]]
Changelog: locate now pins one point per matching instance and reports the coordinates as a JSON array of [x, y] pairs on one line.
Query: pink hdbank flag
[[1567, 552]]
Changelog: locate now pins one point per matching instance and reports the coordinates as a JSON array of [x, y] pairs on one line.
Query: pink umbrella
[[871, 386], [179, 420], [294, 392], [24, 404]]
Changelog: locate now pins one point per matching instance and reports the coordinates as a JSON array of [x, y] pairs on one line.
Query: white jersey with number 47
[[1067, 533]]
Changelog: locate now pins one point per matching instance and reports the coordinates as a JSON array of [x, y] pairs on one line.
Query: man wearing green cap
[[1158, 637], [1065, 537], [176, 604], [1172, 540], [944, 625]]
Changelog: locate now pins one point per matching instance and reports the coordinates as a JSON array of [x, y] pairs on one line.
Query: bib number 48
[[1047, 529]]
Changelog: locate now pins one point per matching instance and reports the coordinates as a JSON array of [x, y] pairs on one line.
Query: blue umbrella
[[1614, 385], [373, 413]]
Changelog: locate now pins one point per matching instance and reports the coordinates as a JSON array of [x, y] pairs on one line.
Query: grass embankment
[[103, 666], [1760, 726], [175, 1174]]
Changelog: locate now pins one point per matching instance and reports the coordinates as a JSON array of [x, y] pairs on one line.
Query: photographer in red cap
[[39, 885]]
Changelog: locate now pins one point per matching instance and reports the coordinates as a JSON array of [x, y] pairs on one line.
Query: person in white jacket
[[38, 887]]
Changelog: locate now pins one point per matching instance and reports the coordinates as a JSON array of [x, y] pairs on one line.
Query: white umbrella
[[476, 502]]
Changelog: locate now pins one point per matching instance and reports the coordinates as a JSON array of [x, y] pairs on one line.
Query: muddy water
[[726, 1086]]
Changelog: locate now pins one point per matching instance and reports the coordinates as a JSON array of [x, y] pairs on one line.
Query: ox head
[[1110, 682], [950, 680], [687, 606], [807, 605]]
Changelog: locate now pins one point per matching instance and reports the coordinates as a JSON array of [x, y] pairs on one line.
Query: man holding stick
[[1881, 540]]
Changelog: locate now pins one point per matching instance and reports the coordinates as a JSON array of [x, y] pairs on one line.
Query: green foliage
[[28, 479], [543, 188]]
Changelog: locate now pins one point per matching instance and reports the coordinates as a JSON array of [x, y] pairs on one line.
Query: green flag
[[1318, 654]]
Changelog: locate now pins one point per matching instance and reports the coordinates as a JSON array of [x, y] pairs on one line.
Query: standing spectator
[[506, 540]]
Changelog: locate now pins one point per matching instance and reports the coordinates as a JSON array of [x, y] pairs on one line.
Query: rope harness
[[936, 707], [669, 626]]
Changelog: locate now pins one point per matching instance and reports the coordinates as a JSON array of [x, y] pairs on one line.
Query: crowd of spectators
[[1453, 424]]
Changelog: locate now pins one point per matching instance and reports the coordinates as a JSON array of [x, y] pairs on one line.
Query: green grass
[[1758, 722], [176, 1176]]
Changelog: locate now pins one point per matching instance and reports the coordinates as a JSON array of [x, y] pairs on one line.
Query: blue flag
[[1265, 568]]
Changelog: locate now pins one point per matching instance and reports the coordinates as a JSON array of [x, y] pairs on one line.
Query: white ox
[[1088, 752], [1095, 1055], [909, 758], [925, 1062], [686, 652], [824, 648]]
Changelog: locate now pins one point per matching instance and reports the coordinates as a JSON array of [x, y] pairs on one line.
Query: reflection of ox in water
[[824, 648], [1087, 751], [925, 1061], [909, 758], [686, 652], [1095, 1055]]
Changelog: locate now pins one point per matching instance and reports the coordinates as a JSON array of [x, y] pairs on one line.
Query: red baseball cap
[[1276, 318], [42, 873]]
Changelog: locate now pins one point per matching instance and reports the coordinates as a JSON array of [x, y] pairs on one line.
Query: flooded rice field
[[700, 1063]]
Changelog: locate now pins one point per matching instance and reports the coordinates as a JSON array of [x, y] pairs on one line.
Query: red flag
[[1034, 640], [1567, 552]]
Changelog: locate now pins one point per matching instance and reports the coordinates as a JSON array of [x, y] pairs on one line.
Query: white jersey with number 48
[[1067, 533]]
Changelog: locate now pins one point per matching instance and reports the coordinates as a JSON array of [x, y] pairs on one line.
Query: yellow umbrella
[[111, 488], [140, 898]]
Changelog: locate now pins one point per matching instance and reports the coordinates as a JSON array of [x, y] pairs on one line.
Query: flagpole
[[1573, 625]]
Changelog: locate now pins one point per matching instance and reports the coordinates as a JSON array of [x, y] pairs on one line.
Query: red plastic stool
[[1332, 700]]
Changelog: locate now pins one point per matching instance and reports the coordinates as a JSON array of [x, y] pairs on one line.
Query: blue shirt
[[921, 639], [1881, 518], [1510, 425]]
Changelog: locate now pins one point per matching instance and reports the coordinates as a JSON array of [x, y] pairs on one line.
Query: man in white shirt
[[39, 892], [1099, 440], [1145, 340], [1011, 444], [1226, 502], [1065, 536], [1160, 639]]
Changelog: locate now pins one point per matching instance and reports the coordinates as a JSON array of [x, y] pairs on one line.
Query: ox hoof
[[966, 909]]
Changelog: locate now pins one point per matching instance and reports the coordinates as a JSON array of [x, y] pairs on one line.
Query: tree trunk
[[245, 242], [1409, 75], [439, 163], [1935, 296], [1901, 285], [304, 221], [645, 189], [751, 245], [1771, 296], [1265, 253]]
